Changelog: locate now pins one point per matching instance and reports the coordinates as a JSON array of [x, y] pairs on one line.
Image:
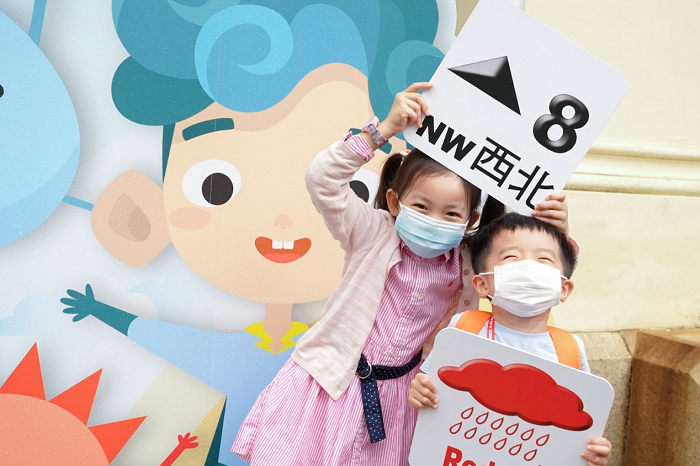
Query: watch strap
[[371, 128]]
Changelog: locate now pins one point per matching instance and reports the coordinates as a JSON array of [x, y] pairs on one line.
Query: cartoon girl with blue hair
[[245, 95], [247, 92]]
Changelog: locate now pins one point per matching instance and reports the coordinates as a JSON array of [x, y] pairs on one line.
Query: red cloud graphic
[[518, 390]]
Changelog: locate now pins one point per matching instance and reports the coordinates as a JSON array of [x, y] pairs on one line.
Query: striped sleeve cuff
[[359, 146]]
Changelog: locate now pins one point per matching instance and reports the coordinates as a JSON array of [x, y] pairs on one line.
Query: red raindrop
[[456, 428], [467, 413], [527, 434], [481, 419], [542, 441], [500, 444], [470, 433], [495, 425], [530, 455], [512, 429], [485, 439], [516, 449]]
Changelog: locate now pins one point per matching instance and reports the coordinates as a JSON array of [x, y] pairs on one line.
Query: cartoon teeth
[[282, 252], [282, 244]]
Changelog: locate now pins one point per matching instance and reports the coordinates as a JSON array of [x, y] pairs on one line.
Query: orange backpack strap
[[566, 347], [473, 321], [564, 343]]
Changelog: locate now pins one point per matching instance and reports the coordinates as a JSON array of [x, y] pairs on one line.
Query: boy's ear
[[392, 201], [128, 219], [480, 286], [566, 289]]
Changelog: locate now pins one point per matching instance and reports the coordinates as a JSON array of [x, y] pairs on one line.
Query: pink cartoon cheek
[[189, 218]]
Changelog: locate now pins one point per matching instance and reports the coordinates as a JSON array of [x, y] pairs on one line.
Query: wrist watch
[[371, 128]]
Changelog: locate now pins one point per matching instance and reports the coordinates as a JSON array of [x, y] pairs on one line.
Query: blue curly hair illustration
[[249, 55]]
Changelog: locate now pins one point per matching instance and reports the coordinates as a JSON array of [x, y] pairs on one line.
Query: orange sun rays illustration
[[41, 432]]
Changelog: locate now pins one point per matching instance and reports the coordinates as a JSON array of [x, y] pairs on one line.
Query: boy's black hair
[[480, 243]]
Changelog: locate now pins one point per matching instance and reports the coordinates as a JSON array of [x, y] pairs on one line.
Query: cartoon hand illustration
[[184, 443], [83, 305], [187, 442]]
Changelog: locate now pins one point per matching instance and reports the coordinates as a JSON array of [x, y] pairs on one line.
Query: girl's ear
[[566, 288], [392, 200], [480, 286]]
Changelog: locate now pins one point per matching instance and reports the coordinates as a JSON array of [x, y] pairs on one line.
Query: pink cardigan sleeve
[[348, 218]]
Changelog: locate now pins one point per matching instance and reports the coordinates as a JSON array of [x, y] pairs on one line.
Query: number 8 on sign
[[568, 125]]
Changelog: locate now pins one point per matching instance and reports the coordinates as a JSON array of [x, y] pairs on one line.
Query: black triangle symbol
[[493, 78]]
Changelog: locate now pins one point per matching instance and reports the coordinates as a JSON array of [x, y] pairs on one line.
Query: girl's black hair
[[492, 210], [400, 172]]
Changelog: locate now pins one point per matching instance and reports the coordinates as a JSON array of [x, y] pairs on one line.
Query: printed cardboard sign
[[500, 406], [515, 106]]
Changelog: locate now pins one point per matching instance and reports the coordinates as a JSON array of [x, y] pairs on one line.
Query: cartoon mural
[[37, 431], [245, 93], [117, 414], [39, 141]]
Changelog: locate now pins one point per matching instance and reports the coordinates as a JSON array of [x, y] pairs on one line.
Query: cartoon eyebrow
[[207, 126]]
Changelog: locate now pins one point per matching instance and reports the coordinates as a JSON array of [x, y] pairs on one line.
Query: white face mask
[[526, 288]]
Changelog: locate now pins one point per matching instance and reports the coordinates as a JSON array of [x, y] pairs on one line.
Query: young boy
[[530, 261]]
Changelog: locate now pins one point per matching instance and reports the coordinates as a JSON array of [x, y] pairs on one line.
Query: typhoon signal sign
[[515, 106]]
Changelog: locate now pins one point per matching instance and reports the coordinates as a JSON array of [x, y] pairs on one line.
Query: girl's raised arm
[[408, 108]]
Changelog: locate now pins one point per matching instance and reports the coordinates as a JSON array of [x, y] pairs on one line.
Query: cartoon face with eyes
[[234, 201], [247, 95], [237, 209]]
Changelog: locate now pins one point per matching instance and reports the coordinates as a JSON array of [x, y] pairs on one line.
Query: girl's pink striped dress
[[295, 422]]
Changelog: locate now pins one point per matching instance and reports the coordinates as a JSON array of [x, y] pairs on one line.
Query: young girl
[[342, 397]]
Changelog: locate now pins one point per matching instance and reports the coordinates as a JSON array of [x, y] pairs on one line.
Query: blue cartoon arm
[[83, 305]]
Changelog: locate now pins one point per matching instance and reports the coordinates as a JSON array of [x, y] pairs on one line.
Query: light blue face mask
[[426, 236]]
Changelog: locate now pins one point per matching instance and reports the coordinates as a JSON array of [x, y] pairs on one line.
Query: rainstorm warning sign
[[500, 406]]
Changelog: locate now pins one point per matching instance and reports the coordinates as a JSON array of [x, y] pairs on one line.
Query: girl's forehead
[[443, 186]]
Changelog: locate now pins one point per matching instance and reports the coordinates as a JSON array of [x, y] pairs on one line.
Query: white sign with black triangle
[[515, 106]]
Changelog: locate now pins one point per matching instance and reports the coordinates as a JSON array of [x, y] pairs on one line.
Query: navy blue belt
[[369, 375]]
